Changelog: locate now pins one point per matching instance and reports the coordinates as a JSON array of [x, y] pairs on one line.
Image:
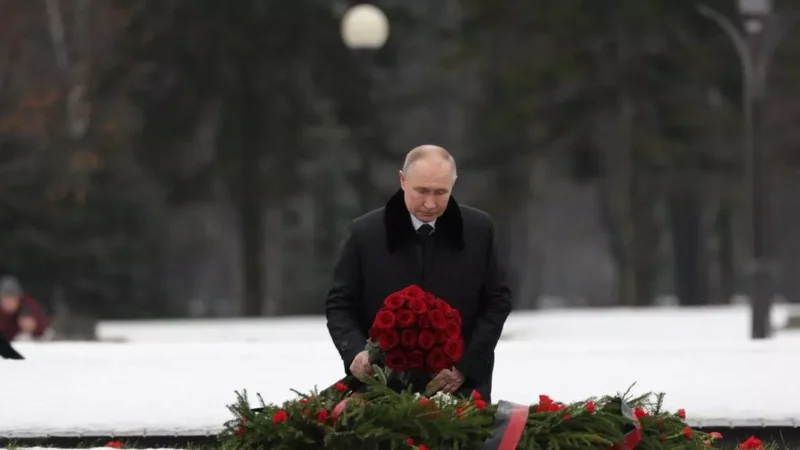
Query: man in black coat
[[423, 236]]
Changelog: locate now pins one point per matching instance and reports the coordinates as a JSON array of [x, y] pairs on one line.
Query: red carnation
[[639, 412], [752, 443], [682, 413], [408, 338], [426, 340], [590, 407], [322, 416], [423, 321], [396, 360], [414, 291], [429, 299], [454, 348], [388, 340], [415, 360], [437, 361], [405, 318], [340, 387], [436, 317], [280, 416], [394, 301], [417, 305], [385, 319], [440, 337], [452, 329], [687, 432]]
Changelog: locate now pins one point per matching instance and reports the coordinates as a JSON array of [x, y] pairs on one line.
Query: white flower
[[443, 399]]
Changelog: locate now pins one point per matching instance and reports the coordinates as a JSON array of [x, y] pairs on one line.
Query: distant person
[[20, 315]]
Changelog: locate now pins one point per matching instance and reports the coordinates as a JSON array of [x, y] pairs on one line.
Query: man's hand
[[447, 381], [360, 367]]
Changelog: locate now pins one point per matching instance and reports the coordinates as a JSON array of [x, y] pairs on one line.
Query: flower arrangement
[[415, 332], [382, 418]]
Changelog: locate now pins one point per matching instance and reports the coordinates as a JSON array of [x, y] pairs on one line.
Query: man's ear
[[402, 180]]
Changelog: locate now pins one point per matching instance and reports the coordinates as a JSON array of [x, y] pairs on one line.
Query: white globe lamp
[[365, 27]]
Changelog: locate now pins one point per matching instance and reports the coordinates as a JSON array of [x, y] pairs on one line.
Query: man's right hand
[[360, 367]]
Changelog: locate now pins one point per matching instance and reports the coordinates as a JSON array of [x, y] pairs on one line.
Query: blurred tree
[[263, 65], [77, 218], [621, 85]]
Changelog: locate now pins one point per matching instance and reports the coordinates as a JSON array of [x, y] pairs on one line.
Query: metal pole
[[752, 101], [760, 271]]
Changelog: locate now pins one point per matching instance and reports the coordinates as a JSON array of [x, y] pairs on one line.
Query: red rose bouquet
[[415, 332]]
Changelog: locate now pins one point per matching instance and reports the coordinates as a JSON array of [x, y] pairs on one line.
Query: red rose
[[408, 338], [436, 360], [457, 317], [425, 340], [682, 413], [454, 348], [415, 360], [639, 412], [443, 305], [414, 291], [440, 337], [405, 318], [452, 329], [423, 321], [375, 334], [687, 432], [394, 301], [417, 305], [429, 299], [388, 340], [590, 407], [322, 416], [436, 317], [340, 387], [384, 320], [396, 360]]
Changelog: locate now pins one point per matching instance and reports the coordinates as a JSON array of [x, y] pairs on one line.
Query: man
[[423, 236], [19, 313]]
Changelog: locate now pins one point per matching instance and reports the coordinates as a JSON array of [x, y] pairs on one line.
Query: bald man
[[423, 236]]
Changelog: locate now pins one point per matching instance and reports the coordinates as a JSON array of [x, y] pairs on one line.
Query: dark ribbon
[[509, 423]]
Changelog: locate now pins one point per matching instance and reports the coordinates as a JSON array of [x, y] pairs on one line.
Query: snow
[[170, 386], [728, 322]]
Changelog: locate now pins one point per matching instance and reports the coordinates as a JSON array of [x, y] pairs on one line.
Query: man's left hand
[[447, 381]]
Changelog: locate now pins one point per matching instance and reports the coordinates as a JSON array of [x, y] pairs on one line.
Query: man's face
[[427, 187], [9, 303]]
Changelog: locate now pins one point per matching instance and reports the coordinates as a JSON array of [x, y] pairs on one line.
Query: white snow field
[[730, 322], [704, 362]]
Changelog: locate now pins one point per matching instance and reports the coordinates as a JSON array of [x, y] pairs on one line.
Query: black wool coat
[[379, 256]]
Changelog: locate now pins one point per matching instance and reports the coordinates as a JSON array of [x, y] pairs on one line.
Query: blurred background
[[202, 159]]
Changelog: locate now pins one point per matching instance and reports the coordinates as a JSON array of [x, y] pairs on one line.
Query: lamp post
[[365, 30], [755, 44]]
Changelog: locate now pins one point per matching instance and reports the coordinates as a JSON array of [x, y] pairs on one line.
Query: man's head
[[427, 179], [10, 293]]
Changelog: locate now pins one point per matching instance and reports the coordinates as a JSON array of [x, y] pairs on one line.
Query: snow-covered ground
[[730, 322], [703, 361]]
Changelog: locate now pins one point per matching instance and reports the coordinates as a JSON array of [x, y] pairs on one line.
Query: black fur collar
[[399, 229]]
